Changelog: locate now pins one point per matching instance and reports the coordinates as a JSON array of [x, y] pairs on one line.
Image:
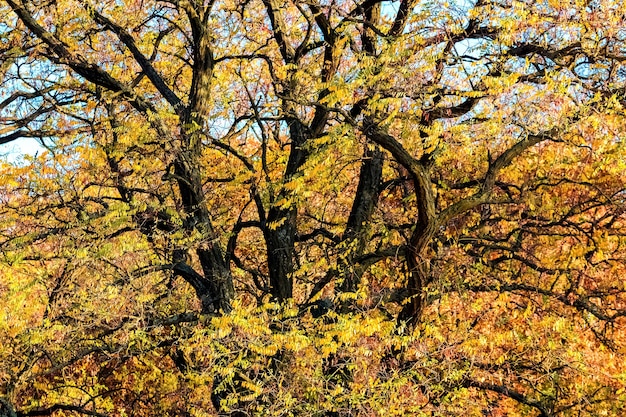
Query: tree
[[313, 208]]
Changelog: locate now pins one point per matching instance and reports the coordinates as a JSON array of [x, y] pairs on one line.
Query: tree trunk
[[363, 206], [281, 229], [215, 288], [6, 409], [418, 265]]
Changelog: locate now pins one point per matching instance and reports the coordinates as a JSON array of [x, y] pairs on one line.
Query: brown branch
[[60, 407], [489, 181], [90, 71], [143, 62], [510, 393]]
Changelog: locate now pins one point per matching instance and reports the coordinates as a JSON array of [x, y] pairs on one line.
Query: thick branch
[[510, 393], [60, 407], [488, 182], [143, 62]]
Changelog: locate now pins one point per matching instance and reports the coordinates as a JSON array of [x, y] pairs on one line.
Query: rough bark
[[363, 207], [6, 409], [281, 230]]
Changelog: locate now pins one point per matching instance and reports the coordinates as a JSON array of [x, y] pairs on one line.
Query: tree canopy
[[313, 208]]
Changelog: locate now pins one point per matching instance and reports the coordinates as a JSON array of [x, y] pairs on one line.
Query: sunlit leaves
[[479, 144]]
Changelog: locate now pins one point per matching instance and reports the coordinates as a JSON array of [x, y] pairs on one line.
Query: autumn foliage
[[313, 208]]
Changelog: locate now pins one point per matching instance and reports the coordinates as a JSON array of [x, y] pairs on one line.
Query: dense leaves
[[313, 208]]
